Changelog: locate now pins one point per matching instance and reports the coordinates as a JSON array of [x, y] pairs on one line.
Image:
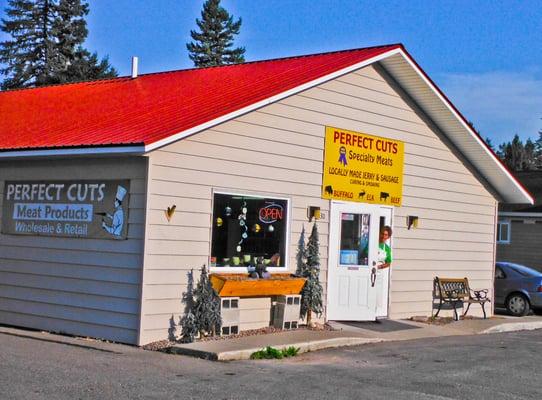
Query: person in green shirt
[[384, 258]]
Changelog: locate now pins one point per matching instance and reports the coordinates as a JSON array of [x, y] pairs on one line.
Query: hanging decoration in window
[[243, 224]]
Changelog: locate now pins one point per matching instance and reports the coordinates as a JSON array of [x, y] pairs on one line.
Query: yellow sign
[[362, 168]]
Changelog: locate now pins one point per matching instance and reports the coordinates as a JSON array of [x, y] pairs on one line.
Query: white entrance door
[[352, 272]]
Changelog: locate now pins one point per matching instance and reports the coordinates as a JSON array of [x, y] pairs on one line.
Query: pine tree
[[46, 44], [530, 162], [212, 45], [301, 255], [70, 29], [538, 150], [311, 295], [188, 323], [27, 56], [206, 306], [489, 144], [518, 156]]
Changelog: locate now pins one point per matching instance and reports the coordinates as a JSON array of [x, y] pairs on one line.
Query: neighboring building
[[519, 231], [90, 173]]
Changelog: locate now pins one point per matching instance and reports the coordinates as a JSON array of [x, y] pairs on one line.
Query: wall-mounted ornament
[[219, 222], [227, 211], [256, 228], [170, 211], [271, 228]]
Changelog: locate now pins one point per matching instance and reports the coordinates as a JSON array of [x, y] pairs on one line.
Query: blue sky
[[485, 55]]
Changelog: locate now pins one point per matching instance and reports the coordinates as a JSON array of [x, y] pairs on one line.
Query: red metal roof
[[152, 107]]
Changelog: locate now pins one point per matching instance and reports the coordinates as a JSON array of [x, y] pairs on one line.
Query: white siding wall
[[278, 150], [88, 287]]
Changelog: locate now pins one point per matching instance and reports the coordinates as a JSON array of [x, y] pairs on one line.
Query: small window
[[354, 246], [503, 232], [248, 228]]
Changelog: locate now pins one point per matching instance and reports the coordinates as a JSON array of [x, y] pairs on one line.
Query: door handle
[[373, 277]]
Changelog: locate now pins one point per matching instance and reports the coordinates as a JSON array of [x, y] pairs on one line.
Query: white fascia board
[[262, 103], [466, 126], [520, 214], [73, 152]]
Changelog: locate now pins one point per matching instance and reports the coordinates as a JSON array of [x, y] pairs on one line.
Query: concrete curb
[[244, 354], [513, 327]]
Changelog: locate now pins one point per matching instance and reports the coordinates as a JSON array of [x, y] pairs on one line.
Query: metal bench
[[456, 292]]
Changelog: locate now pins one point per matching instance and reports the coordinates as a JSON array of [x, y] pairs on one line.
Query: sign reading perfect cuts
[[89, 209], [362, 168]]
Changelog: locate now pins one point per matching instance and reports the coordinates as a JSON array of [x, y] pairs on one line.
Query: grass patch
[[272, 353]]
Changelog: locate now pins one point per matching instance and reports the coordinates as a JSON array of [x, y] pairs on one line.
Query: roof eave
[[74, 151]]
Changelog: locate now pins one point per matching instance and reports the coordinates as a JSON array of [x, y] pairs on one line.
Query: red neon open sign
[[271, 213]]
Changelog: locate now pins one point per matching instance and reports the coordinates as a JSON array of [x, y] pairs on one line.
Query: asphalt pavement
[[496, 366]]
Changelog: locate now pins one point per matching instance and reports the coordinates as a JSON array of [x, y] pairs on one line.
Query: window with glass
[[354, 248], [248, 229], [503, 232]]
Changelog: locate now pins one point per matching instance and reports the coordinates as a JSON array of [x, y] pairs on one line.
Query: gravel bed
[[164, 344]]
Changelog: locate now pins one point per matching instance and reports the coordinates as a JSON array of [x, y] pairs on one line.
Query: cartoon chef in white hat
[[117, 219]]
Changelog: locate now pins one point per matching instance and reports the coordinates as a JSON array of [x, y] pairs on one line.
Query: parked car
[[518, 288]]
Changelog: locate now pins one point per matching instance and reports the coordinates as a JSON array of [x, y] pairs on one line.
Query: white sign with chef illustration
[[83, 209]]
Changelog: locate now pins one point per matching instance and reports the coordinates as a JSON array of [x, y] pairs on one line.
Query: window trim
[[286, 267], [508, 224]]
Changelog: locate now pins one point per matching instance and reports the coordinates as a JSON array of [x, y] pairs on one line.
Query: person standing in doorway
[[384, 250]]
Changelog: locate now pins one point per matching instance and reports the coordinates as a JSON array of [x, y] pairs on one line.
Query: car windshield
[[522, 269]]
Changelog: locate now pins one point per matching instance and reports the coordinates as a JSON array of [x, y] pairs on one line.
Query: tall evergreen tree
[[46, 45], [27, 56], [311, 295], [213, 44], [518, 156]]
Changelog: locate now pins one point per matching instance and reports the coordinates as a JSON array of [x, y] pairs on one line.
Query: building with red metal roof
[[114, 189]]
